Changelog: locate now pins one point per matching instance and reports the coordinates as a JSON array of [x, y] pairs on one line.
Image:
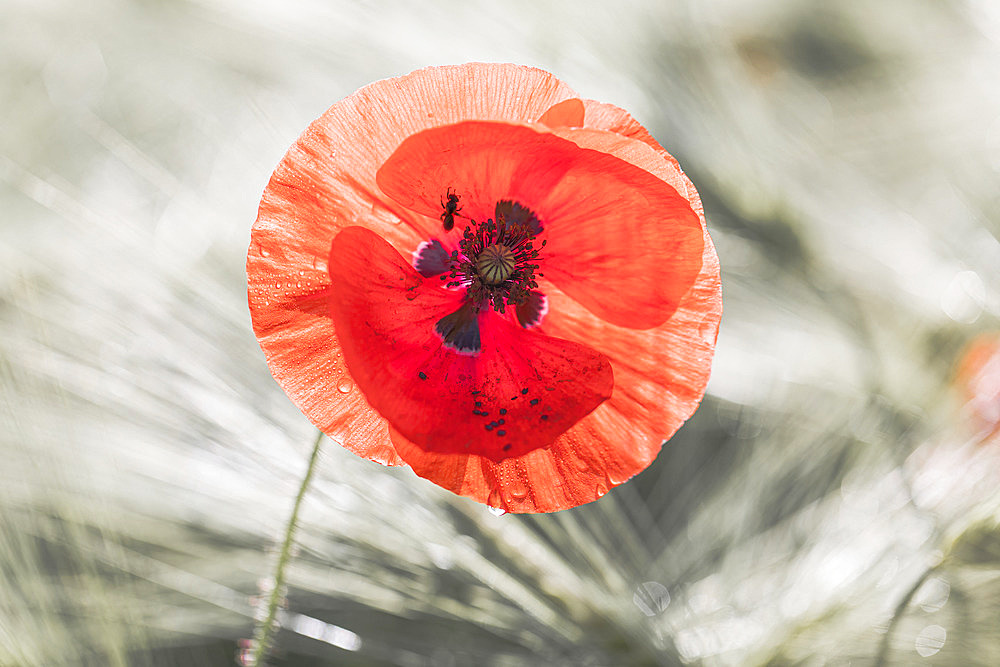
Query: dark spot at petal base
[[431, 259], [460, 330], [531, 312], [514, 213]]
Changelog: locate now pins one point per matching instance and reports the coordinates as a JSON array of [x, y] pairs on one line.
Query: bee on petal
[[451, 209]]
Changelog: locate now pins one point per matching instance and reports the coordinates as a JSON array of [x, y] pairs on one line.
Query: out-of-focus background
[[834, 501]]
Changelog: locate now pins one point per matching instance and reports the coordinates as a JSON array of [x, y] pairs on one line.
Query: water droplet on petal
[[494, 502], [518, 490], [615, 478], [383, 454], [707, 329], [345, 386], [580, 464], [600, 490]]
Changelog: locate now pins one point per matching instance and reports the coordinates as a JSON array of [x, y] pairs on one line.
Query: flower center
[[496, 259], [495, 264]]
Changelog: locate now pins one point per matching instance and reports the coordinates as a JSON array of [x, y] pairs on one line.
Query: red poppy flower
[[472, 271]]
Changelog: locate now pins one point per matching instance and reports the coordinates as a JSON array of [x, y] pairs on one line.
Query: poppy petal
[[621, 241], [610, 118], [660, 377], [297, 335], [519, 393], [657, 390], [568, 113]]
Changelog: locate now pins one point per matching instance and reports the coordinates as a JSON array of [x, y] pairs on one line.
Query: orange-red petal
[[521, 391], [620, 240], [568, 113]]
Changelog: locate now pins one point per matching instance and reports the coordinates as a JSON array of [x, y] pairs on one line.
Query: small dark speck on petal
[[501, 433], [422, 375], [479, 404], [534, 401], [545, 417], [503, 411], [525, 391], [506, 447], [500, 422], [489, 427]]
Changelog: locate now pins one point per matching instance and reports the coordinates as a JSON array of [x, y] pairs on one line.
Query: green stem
[[264, 630]]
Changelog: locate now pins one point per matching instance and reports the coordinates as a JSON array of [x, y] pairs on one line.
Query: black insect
[[451, 209]]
